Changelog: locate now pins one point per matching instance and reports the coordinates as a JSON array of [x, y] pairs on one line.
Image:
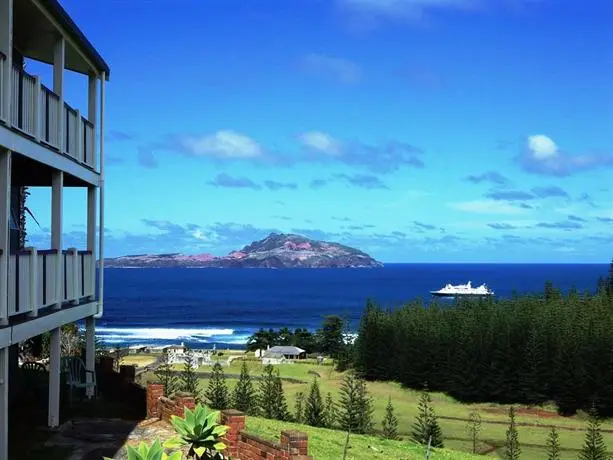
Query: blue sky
[[416, 130]]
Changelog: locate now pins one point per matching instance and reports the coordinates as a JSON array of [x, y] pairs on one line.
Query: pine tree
[[390, 421], [594, 447], [426, 428], [512, 449], [329, 412], [243, 396], [299, 407], [271, 398], [281, 411], [167, 376], [553, 445], [189, 379], [474, 428], [366, 409], [217, 391], [355, 405], [314, 407]]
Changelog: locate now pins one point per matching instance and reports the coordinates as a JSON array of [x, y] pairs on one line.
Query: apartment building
[[46, 142]]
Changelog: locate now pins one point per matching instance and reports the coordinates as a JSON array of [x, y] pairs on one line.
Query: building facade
[[46, 142]]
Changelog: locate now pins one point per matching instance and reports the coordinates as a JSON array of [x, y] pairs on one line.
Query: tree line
[[327, 340], [525, 349]]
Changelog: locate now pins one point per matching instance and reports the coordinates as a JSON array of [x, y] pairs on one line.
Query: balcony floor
[[31, 173]]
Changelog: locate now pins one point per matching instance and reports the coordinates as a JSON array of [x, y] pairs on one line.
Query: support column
[[4, 403], [55, 355], [101, 198], [57, 190], [91, 235], [6, 47], [59, 55], [90, 351], [5, 211]]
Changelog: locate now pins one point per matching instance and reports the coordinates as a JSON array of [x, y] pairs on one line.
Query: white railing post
[[75, 276], [79, 138], [33, 281], [37, 109]]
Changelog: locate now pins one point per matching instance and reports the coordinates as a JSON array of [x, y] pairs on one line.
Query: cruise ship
[[462, 290]]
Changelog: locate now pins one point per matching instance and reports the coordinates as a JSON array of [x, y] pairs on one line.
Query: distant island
[[277, 250]]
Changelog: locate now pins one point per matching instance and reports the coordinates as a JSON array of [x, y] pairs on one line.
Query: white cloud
[[486, 207], [341, 69], [321, 142], [541, 155], [542, 147], [222, 144]]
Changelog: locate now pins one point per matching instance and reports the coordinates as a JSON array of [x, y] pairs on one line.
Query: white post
[[5, 211], [4, 403], [59, 56], [33, 280], [91, 236], [6, 47], [101, 210], [90, 351], [57, 190], [55, 356], [92, 100], [37, 111], [75, 295]]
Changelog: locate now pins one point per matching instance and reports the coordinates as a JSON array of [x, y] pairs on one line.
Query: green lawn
[[405, 403], [329, 444], [139, 360]]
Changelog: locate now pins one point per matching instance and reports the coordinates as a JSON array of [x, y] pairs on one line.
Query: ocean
[[202, 307]]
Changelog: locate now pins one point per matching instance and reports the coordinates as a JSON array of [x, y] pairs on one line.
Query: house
[[281, 354], [289, 352], [46, 142], [273, 358]]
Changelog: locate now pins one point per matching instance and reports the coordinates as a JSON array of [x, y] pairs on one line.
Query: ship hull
[[448, 294]]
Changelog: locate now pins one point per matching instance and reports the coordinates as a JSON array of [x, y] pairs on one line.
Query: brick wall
[[292, 445], [159, 406]]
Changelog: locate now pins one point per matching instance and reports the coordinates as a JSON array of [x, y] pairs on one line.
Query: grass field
[[452, 415], [329, 444], [138, 360]]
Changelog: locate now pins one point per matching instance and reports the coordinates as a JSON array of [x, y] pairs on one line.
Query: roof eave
[[60, 15]]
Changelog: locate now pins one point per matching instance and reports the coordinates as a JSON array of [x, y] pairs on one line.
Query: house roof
[[286, 350], [61, 16], [268, 354]]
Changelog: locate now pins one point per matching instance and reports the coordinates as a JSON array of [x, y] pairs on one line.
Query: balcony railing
[[33, 279], [36, 111]]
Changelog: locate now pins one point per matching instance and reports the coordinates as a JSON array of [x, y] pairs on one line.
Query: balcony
[[39, 279], [37, 113]]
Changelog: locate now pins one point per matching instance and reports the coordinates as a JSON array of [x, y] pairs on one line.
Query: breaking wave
[[120, 335]]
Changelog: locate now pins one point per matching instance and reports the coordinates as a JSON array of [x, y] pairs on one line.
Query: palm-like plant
[[200, 432]]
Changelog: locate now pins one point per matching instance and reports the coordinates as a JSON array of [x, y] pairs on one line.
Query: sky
[[415, 130]]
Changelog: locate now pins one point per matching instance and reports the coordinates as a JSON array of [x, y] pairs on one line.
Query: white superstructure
[[451, 290]]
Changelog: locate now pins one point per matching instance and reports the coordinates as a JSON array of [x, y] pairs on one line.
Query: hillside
[[277, 250]]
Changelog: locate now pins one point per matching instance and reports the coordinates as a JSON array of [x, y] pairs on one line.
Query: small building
[[289, 352], [136, 349], [273, 358]]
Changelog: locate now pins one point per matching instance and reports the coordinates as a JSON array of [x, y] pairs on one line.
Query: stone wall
[[242, 445]]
